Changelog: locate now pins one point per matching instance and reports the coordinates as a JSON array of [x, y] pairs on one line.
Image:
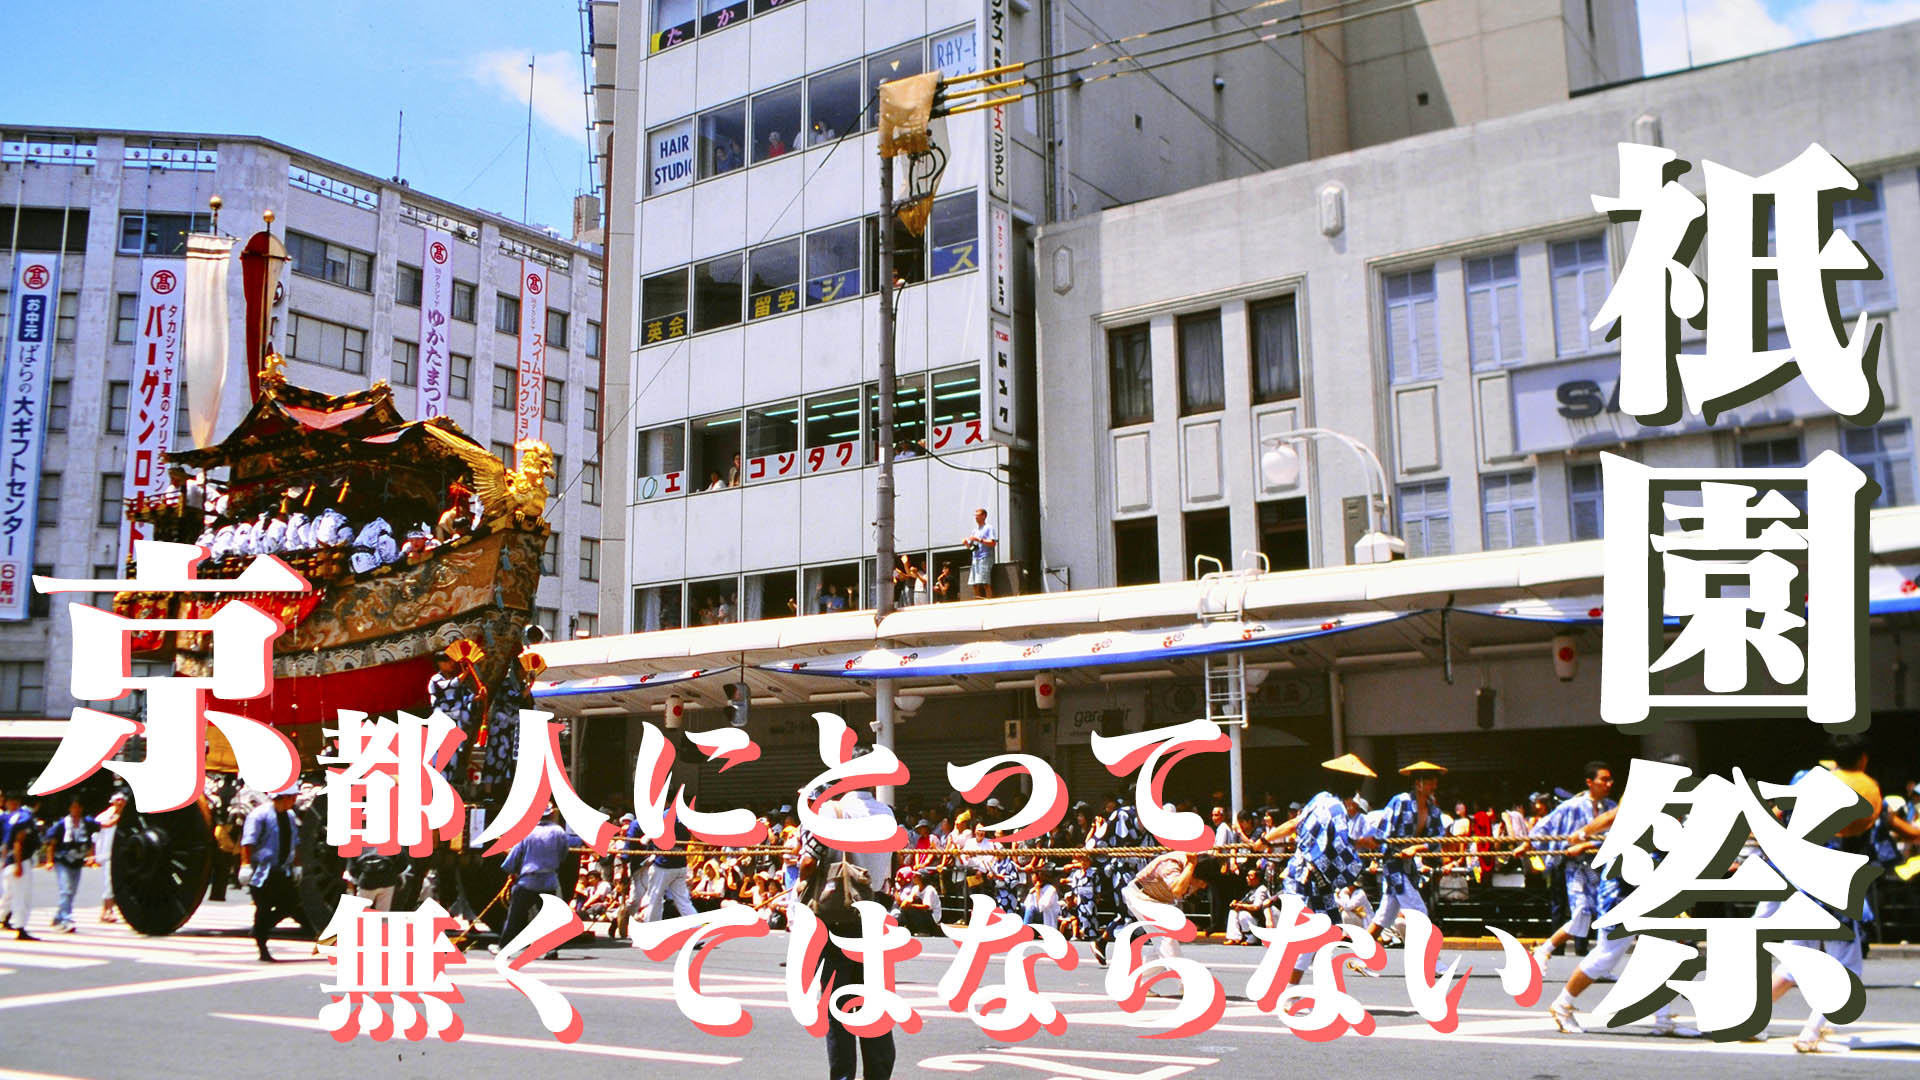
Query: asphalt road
[[105, 1003]]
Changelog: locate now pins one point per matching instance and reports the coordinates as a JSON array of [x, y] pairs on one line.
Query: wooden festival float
[[460, 575]]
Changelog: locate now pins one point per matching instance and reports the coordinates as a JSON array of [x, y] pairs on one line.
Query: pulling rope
[[1459, 845]]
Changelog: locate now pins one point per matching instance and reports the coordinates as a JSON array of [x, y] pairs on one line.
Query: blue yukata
[[1324, 860], [1122, 829], [1400, 878], [1583, 881]]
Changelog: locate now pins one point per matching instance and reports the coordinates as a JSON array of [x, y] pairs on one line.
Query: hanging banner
[[531, 398], [208, 335], [436, 307], [36, 299], [998, 145], [1001, 382], [1000, 244], [150, 398]]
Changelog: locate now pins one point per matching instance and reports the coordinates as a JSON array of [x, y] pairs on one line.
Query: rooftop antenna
[[399, 133], [526, 168], [1686, 32]]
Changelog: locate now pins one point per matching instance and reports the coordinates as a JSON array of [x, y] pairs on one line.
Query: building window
[[39, 604], [713, 603], [317, 341], [1581, 279], [832, 430], [1884, 453], [463, 301], [406, 363], [953, 235], [909, 255], [656, 608], [722, 144], [550, 556], [590, 409], [459, 376], [59, 401], [1586, 506], [406, 285], [116, 408], [909, 417], [771, 431], [555, 401], [506, 314], [670, 157], [896, 63], [1865, 220], [1426, 524], [506, 383], [660, 456], [1130, 375], [1136, 551], [771, 596], [1273, 338], [1493, 310], [590, 483], [674, 22], [589, 559], [549, 620], [1777, 453], [23, 687], [717, 293], [67, 317], [663, 307], [1413, 344], [49, 508], [593, 340], [773, 279], [586, 624], [1509, 510], [1203, 378], [503, 451], [1209, 534], [556, 329], [833, 263], [832, 588], [126, 318], [715, 442], [776, 122], [833, 104], [112, 486], [160, 234], [333, 263], [182, 416], [956, 400], [1283, 534]]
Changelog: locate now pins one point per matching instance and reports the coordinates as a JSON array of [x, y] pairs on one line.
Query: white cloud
[[557, 100], [1724, 29]]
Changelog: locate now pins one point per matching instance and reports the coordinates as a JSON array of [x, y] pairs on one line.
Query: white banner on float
[[157, 357]]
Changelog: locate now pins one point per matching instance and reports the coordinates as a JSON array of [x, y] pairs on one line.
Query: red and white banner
[[436, 307], [530, 401], [150, 397]]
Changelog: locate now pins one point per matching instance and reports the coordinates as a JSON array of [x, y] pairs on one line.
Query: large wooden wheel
[[160, 866]]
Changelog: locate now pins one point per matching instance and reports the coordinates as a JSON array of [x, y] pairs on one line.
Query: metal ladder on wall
[[1223, 598]]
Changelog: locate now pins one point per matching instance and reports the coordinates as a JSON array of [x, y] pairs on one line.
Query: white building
[[742, 239], [1431, 297], [350, 317]]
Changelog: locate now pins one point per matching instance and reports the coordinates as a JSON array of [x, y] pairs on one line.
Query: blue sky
[[331, 79]]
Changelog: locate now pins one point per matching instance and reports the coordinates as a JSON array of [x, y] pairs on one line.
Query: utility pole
[[883, 484]]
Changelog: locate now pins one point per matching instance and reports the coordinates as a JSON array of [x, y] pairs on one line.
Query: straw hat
[[1423, 767], [1349, 763]]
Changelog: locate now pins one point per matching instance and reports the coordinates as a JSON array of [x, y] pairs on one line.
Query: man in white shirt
[[1043, 901], [919, 907], [877, 864], [982, 542]]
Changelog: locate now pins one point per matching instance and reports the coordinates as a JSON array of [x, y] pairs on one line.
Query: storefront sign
[[1577, 403], [670, 158], [150, 396], [530, 404], [436, 307], [998, 145], [36, 298], [1000, 229], [1000, 379]]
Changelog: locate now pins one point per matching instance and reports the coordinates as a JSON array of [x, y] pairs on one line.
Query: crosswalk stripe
[[27, 958]]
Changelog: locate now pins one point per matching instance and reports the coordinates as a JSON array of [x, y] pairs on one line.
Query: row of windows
[[1510, 507], [1580, 276], [939, 575], [330, 262], [823, 266], [587, 479], [1273, 353], [803, 113], [676, 22], [159, 234], [937, 413]]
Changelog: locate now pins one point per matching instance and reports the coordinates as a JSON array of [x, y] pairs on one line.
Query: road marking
[[191, 982], [16, 1074], [598, 1049], [35, 959], [1061, 1063]]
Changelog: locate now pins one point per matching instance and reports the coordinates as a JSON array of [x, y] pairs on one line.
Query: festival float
[[414, 539]]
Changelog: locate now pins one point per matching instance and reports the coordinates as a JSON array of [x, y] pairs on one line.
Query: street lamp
[[1280, 467]]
